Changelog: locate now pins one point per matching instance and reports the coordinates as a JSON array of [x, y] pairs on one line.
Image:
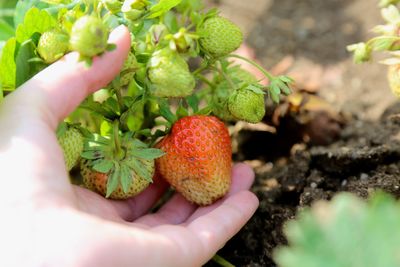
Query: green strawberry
[[224, 89], [71, 142], [128, 69], [169, 74], [247, 104], [52, 45], [89, 36], [117, 169], [220, 36]]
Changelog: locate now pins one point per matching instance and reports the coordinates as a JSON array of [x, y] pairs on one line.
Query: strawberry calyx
[[119, 159]]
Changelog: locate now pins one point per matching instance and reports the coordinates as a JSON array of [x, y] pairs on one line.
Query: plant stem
[[205, 80], [119, 153], [266, 73], [117, 89], [227, 78], [221, 261]]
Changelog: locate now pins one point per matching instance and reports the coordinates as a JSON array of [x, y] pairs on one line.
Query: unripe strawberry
[[97, 181], [169, 74], [52, 45], [394, 79], [247, 105], [128, 69], [220, 36], [224, 89], [71, 142], [89, 36]]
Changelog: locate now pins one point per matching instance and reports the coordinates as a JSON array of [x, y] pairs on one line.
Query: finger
[[217, 227], [202, 238], [242, 179], [177, 210], [133, 208], [57, 90]]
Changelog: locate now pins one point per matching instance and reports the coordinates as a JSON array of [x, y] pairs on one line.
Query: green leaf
[[165, 111], [193, 102], [126, 178], [113, 180], [6, 31], [147, 154], [103, 166], [23, 6], [8, 66], [95, 154], [181, 111], [25, 69], [35, 21], [140, 169], [162, 7]]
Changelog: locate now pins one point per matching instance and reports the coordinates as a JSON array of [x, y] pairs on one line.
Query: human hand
[[46, 221]]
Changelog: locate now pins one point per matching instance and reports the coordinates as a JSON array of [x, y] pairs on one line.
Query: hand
[[46, 221]]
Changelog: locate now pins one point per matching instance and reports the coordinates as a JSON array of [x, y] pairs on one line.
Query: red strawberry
[[198, 158]]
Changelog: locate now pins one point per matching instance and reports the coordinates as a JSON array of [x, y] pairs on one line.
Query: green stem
[[205, 80], [266, 73], [221, 261], [117, 89], [203, 67], [227, 78], [119, 153]]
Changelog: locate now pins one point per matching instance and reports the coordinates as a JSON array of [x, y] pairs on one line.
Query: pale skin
[[46, 221]]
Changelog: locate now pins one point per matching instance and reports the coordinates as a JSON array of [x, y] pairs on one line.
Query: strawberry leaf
[[163, 6], [92, 154], [112, 182], [140, 169], [7, 65], [166, 112], [35, 21], [193, 102], [126, 178], [147, 154], [103, 166]]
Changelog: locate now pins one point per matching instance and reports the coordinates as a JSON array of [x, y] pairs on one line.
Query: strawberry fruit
[[71, 142], [117, 169], [220, 36], [169, 74], [52, 46], [198, 155], [89, 36]]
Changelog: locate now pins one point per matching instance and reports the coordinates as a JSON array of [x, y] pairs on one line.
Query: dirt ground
[[307, 39]]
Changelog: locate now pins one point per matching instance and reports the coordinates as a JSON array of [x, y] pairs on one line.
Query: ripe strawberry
[[394, 79], [198, 158], [52, 45], [118, 169], [220, 36], [169, 74], [71, 142], [89, 36], [247, 104]]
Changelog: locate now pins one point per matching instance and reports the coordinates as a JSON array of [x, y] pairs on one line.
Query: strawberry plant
[[162, 113]]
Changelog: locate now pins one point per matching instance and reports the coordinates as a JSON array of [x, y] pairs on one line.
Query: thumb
[[57, 90]]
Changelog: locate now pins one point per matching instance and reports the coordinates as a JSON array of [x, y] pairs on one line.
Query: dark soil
[[366, 155]]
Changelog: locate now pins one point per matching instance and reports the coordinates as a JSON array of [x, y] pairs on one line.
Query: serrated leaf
[[8, 66], [140, 169], [23, 6], [162, 7], [113, 179], [35, 21], [126, 178], [148, 153], [103, 166]]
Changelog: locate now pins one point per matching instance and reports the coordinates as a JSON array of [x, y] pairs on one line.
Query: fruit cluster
[[387, 40], [164, 113]]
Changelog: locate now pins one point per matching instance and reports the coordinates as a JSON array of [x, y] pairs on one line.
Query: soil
[[291, 173]]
